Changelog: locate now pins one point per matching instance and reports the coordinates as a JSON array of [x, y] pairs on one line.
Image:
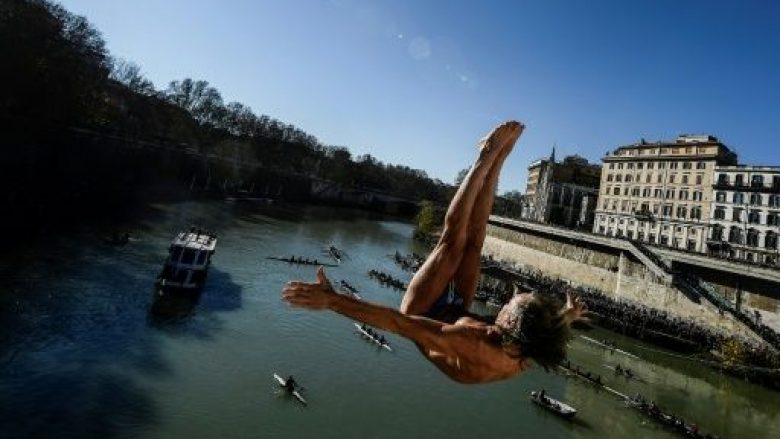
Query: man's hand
[[317, 295], [575, 309]]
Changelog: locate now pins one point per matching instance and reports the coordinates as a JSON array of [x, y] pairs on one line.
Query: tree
[[425, 223], [129, 74], [461, 176]]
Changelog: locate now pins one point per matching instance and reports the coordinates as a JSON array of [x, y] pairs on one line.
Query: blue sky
[[418, 82]]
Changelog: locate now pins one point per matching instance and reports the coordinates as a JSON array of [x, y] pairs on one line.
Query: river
[[80, 355]]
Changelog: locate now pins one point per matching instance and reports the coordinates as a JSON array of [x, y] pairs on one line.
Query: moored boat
[[553, 405], [189, 258]]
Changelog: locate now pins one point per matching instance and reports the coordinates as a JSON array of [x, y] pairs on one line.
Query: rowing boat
[[614, 349], [295, 393], [300, 262], [372, 338], [553, 405]]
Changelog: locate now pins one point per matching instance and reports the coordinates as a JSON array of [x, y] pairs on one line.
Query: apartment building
[[745, 213], [561, 193], [661, 193]]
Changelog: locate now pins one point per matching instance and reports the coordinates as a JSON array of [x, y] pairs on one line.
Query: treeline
[[58, 73]]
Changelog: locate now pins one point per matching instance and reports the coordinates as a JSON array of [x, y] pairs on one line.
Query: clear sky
[[417, 82]]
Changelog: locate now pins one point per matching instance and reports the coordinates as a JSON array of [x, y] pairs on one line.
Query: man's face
[[509, 316]]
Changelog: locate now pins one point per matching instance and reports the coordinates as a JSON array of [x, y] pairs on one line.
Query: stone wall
[[613, 273]]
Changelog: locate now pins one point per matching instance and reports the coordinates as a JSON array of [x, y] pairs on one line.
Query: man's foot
[[501, 136]]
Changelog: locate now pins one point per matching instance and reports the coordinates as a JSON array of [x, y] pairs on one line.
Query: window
[[684, 194], [646, 192], [659, 179], [736, 236], [740, 180], [754, 217], [619, 178], [773, 219], [739, 198], [661, 165], [684, 179], [671, 178], [609, 177], [720, 197], [650, 165], [616, 191], [697, 195], [625, 190], [723, 179], [776, 182], [635, 191], [701, 165], [681, 212], [696, 212], [647, 178], [630, 166], [752, 238], [640, 165], [673, 165], [628, 178], [658, 193], [720, 213], [670, 193], [770, 240], [611, 166], [774, 201], [757, 181], [620, 166], [755, 199], [687, 165], [736, 215], [667, 210], [699, 179], [717, 233]]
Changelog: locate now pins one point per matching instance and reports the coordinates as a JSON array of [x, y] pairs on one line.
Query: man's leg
[[466, 275], [437, 271]]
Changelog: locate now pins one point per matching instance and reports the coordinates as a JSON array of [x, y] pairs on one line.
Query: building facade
[[746, 213], [561, 193], [661, 193]]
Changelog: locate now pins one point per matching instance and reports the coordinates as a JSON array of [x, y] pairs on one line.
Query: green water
[[80, 355]]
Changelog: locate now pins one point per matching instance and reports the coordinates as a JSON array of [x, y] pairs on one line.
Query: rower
[[290, 384]]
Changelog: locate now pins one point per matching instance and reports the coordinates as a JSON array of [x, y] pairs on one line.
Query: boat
[[555, 406], [294, 393], [606, 346], [300, 261], [189, 257], [336, 253], [373, 338], [349, 289]]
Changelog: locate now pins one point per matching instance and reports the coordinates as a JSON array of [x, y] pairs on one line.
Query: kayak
[[554, 405], [372, 338], [295, 393]]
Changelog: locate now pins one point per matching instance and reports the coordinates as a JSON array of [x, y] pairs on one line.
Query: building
[[573, 170], [746, 213], [555, 191], [661, 193]]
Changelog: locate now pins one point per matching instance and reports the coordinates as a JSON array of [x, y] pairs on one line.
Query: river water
[[81, 356]]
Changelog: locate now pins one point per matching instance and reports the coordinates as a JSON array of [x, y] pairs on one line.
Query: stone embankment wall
[[613, 273]]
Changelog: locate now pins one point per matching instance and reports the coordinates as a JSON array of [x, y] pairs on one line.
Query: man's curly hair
[[540, 332]]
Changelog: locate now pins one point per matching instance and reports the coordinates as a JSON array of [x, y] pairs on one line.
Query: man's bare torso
[[474, 355]]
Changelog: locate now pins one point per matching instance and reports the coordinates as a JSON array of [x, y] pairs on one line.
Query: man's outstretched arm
[[321, 295]]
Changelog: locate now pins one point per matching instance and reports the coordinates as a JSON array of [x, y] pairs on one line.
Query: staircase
[[651, 261], [694, 288]]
